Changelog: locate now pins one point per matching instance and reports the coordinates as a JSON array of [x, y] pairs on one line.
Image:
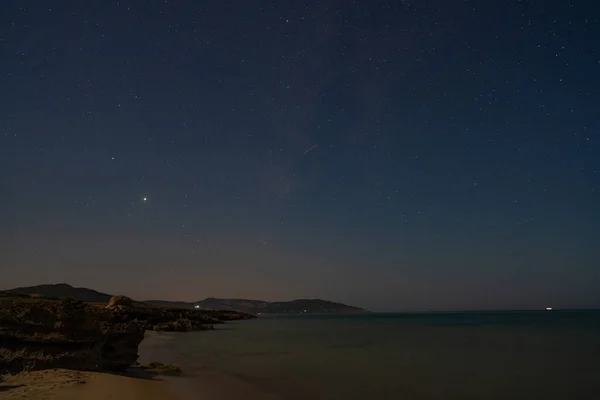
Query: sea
[[460, 355]]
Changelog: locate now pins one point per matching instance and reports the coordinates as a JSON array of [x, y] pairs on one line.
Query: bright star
[[145, 199]]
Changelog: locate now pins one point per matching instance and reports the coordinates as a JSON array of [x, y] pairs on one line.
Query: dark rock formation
[[40, 334], [182, 325], [169, 319], [164, 369]]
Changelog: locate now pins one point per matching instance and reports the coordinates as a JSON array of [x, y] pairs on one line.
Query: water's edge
[[492, 355]]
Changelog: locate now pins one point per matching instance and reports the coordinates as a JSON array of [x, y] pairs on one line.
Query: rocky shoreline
[[70, 334]]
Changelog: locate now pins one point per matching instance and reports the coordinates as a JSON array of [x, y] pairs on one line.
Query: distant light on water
[[548, 308]]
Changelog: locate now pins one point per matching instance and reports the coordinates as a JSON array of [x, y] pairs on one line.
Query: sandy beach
[[62, 384], [59, 384], [136, 383]]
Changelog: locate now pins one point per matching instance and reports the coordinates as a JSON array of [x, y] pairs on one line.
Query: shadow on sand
[[4, 388]]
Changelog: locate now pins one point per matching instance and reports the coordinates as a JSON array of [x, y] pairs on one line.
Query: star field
[[390, 154]]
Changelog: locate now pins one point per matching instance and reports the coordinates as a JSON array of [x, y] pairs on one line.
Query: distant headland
[[257, 307]]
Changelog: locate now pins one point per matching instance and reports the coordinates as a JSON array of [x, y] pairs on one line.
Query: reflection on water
[[410, 356]]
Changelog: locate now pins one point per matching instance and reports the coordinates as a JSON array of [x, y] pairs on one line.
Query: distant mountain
[[308, 306], [62, 291], [301, 306]]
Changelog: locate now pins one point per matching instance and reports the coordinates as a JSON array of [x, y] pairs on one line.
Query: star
[[144, 199]]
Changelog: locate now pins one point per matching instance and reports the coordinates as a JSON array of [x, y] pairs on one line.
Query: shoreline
[[206, 383], [66, 384], [135, 383], [70, 349]]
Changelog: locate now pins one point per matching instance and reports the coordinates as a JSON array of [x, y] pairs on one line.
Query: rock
[[182, 325], [165, 369], [121, 346], [169, 319], [178, 325], [123, 301], [40, 334]]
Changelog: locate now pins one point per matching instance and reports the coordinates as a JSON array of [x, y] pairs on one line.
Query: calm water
[[524, 355]]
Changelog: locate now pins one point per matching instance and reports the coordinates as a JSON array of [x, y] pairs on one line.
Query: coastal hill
[[63, 291], [308, 306], [300, 306]]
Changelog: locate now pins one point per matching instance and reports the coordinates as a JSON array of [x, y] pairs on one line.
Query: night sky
[[396, 155]]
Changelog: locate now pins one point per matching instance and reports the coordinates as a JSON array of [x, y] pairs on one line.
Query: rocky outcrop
[[39, 334], [182, 325], [169, 319], [122, 301]]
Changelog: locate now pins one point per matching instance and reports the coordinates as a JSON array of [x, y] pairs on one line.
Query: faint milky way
[[408, 155]]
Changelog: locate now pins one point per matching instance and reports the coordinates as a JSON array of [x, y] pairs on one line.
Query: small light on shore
[[196, 306], [548, 308]]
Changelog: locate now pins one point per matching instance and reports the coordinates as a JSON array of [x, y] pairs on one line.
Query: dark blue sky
[[389, 154]]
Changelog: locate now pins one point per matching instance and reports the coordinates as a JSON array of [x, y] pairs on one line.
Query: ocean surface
[[476, 355]]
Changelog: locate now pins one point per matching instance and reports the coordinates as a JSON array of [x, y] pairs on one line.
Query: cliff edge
[[41, 334], [38, 333]]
